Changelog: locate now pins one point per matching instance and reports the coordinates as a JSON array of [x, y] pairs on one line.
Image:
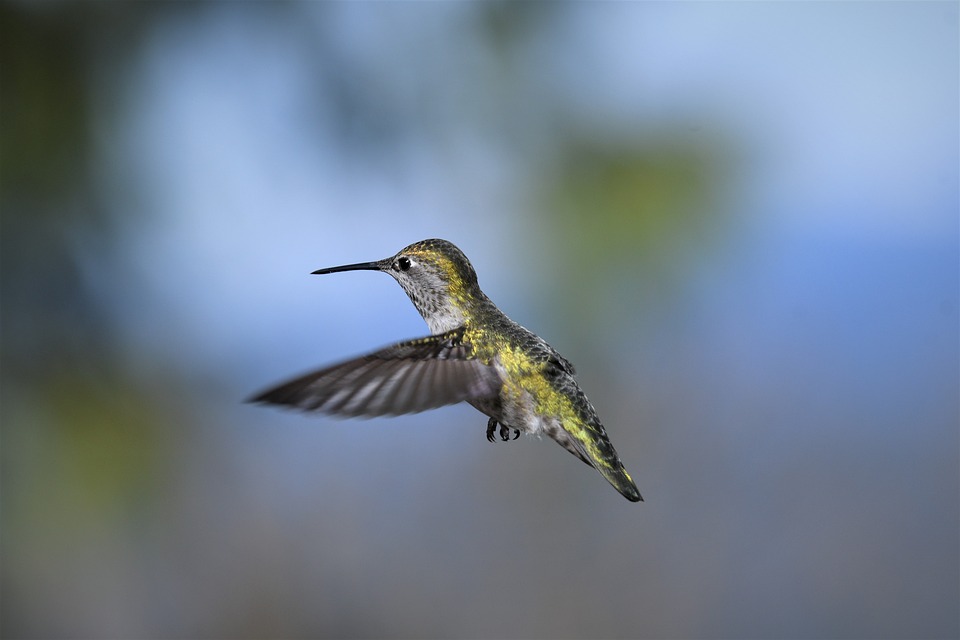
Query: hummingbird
[[474, 354]]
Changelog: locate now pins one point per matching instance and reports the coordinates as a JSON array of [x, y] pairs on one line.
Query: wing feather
[[408, 377]]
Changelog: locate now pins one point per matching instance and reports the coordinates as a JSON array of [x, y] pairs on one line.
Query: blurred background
[[739, 220]]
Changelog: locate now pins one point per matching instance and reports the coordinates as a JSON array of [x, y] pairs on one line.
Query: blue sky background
[[739, 220]]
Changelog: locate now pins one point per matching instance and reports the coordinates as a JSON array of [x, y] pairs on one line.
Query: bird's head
[[437, 277]]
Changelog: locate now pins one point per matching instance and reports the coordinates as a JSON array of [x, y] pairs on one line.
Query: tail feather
[[592, 446]]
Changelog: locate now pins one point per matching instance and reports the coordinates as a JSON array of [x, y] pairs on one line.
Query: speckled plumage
[[475, 354]]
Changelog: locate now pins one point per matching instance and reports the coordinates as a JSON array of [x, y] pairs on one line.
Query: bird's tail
[[590, 443], [622, 482]]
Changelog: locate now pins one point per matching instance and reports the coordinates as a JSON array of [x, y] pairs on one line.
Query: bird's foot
[[504, 431]]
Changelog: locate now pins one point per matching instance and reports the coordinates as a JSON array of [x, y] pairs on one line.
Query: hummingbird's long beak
[[360, 266]]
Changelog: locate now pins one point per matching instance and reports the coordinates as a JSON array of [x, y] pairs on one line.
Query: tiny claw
[[516, 433], [491, 425], [504, 432]]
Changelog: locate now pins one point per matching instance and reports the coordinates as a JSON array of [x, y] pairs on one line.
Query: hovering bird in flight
[[475, 354]]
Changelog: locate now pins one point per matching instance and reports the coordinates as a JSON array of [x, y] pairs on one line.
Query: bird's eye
[[403, 263]]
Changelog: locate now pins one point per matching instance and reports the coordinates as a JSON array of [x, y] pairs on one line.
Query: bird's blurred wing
[[408, 377]]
